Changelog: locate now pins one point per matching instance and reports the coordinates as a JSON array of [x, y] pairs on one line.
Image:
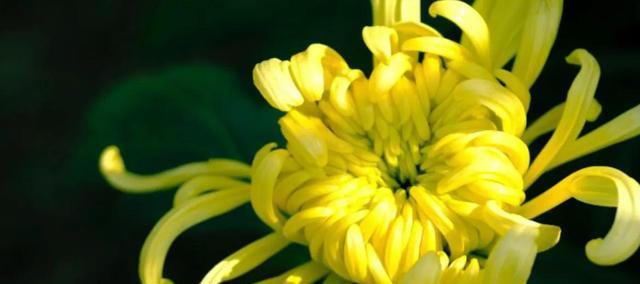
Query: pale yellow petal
[[511, 260], [426, 271], [538, 34]]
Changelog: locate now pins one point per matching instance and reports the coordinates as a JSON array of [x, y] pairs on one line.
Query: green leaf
[[168, 118], [182, 114]]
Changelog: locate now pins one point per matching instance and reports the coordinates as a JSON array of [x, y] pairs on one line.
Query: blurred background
[[169, 82]]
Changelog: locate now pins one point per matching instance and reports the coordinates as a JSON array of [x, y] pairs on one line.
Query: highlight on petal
[[409, 11], [274, 81], [309, 272], [574, 115], [246, 259], [307, 71], [511, 260], [176, 221], [538, 34], [470, 22], [600, 186], [113, 169], [438, 46], [381, 41]]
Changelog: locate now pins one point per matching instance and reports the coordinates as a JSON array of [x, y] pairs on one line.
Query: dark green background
[[169, 81]]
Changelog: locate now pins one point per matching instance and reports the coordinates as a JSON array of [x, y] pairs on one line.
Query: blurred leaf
[[181, 114], [162, 120]]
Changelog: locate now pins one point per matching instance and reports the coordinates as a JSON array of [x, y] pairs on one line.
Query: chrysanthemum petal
[[246, 259], [306, 273], [505, 19], [381, 41], [176, 221], [202, 184], [574, 115], [601, 186], [471, 23], [427, 270], [274, 81], [501, 221], [549, 120], [515, 85], [114, 170], [263, 184], [438, 46], [385, 76], [621, 128], [511, 260], [306, 143], [538, 34]]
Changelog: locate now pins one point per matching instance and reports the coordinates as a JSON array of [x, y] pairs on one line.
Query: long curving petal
[[176, 221], [114, 170]]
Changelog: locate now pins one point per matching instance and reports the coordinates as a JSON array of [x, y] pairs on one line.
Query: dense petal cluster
[[417, 172]]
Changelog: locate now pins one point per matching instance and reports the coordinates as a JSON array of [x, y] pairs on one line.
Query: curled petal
[[385, 76], [471, 23], [306, 68], [274, 81], [381, 41], [176, 221], [437, 46], [499, 100], [601, 186], [505, 19], [113, 168], [262, 187]]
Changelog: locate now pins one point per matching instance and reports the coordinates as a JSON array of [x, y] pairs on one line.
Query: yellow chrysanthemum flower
[[418, 172]]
